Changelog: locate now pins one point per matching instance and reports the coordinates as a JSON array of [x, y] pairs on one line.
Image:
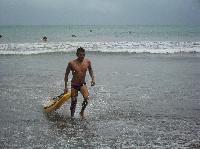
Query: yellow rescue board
[[57, 102]]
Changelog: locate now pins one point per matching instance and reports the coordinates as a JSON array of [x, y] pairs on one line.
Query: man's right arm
[[66, 76]]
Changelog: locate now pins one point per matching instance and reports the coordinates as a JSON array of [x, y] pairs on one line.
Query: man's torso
[[79, 70]]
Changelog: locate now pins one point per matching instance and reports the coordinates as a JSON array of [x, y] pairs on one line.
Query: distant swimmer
[[73, 35], [90, 30], [0, 36], [44, 39]]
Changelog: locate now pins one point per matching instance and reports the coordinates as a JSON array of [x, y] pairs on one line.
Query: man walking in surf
[[79, 67]]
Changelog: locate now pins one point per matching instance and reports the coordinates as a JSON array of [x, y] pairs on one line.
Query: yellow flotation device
[[57, 102]]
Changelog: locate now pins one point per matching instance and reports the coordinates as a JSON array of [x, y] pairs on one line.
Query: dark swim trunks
[[78, 87]]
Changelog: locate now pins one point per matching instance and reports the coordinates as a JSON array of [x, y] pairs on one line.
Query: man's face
[[81, 56]]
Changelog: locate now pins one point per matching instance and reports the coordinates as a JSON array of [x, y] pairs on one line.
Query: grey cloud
[[100, 12]]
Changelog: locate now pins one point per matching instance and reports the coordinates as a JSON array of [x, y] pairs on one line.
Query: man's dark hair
[[80, 50]]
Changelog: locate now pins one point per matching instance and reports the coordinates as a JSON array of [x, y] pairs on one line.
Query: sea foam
[[105, 47]]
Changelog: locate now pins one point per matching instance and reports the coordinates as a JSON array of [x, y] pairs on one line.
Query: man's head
[[80, 53]]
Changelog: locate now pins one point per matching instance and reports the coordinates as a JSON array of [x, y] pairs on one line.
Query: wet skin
[[79, 67]]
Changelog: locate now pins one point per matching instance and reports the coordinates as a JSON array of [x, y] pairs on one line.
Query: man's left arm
[[91, 74]]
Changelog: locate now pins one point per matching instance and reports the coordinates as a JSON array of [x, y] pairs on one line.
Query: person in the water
[[79, 67], [44, 39]]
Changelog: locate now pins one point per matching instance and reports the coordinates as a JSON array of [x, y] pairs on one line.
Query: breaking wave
[[105, 47]]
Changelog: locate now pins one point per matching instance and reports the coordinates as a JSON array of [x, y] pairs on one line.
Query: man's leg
[[74, 94], [85, 93]]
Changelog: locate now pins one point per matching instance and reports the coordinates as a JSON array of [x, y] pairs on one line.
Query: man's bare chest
[[80, 67]]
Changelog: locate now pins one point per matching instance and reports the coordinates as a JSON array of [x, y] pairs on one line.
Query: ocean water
[[147, 92], [132, 39]]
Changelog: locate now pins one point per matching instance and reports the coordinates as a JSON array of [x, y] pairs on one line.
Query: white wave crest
[[106, 47]]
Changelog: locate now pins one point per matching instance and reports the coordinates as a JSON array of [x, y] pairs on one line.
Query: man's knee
[[86, 98], [74, 99], [73, 102]]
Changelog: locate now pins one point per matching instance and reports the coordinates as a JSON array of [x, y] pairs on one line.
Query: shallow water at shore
[[139, 101]]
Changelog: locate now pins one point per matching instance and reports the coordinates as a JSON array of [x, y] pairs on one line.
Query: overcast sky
[[99, 12]]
